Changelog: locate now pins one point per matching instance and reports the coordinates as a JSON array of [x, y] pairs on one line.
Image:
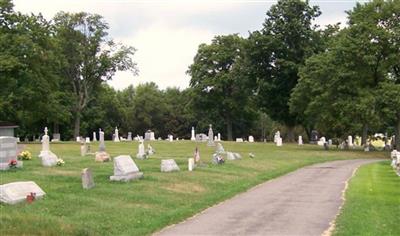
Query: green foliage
[[219, 88]]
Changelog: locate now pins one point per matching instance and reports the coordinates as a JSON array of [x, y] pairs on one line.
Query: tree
[[88, 57], [219, 88], [276, 52]]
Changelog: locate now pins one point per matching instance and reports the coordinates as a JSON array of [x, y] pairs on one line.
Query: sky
[[167, 33]]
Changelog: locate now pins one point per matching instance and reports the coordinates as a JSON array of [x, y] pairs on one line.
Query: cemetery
[[143, 118]]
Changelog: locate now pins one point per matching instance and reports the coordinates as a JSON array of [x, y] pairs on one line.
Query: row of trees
[[290, 74], [340, 81]]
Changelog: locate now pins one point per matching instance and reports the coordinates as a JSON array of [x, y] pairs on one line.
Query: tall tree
[[88, 57], [287, 39], [219, 88]]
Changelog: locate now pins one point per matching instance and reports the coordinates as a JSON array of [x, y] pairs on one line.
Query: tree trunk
[[364, 135], [77, 124], [397, 138], [229, 128], [290, 134]]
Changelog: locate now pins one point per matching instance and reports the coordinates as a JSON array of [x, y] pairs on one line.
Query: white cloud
[[163, 55]]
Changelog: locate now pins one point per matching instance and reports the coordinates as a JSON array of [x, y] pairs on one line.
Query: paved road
[[303, 202]]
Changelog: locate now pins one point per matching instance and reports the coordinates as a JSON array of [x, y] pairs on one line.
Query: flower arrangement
[[13, 164], [31, 197], [60, 162], [25, 155]]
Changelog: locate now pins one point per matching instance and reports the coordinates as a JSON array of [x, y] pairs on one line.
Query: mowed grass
[[147, 205], [372, 204]]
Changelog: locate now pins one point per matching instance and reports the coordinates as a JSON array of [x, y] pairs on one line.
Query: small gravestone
[[116, 135], [219, 137], [129, 136], [251, 139], [48, 158], [350, 141], [8, 152], [150, 150], [102, 155], [233, 156], [193, 137], [190, 164], [169, 165], [279, 141], [196, 155], [149, 135], [141, 152], [16, 192], [170, 137], [210, 137], [330, 142], [84, 149], [125, 169], [56, 137], [87, 140], [239, 140], [321, 141], [276, 136], [87, 179], [94, 137], [300, 141], [220, 149]]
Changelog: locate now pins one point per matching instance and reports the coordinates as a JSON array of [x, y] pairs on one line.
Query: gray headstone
[[102, 146], [87, 179], [169, 165], [125, 169], [210, 137], [16, 192], [8, 152]]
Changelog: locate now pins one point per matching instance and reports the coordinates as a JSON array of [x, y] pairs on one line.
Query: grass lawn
[[372, 204], [159, 199]]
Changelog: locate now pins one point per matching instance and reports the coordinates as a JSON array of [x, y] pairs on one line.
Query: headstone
[[233, 156], [219, 137], [169, 165], [300, 141], [8, 152], [330, 142], [314, 136], [87, 140], [150, 149], [141, 152], [239, 140], [276, 136], [87, 179], [251, 139], [201, 138], [190, 164], [84, 149], [210, 137], [152, 136], [94, 137], [48, 158], [56, 137], [129, 136], [215, 138], [170, 137], [350, 141], [220, 149], [16, 192], [193, 137], [102, 155], [78, 139], [125, 169], [197, 155], [279, 142], [321, 141], [116, 137]]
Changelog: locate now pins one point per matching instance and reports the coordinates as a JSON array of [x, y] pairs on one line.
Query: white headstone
[[141, 152], [129, 136], [279, 142], [190, 164], [170, 137], [300, 141], [239, 140], [276, 136], [193, 137], [94, 137], [251, 139], [87, 140], [220, 149], [219, 137], [233, 156], [48, 158], [102, 146], [125, 169], [350, 141], [116, 135], [16, 192], [169, 165]]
